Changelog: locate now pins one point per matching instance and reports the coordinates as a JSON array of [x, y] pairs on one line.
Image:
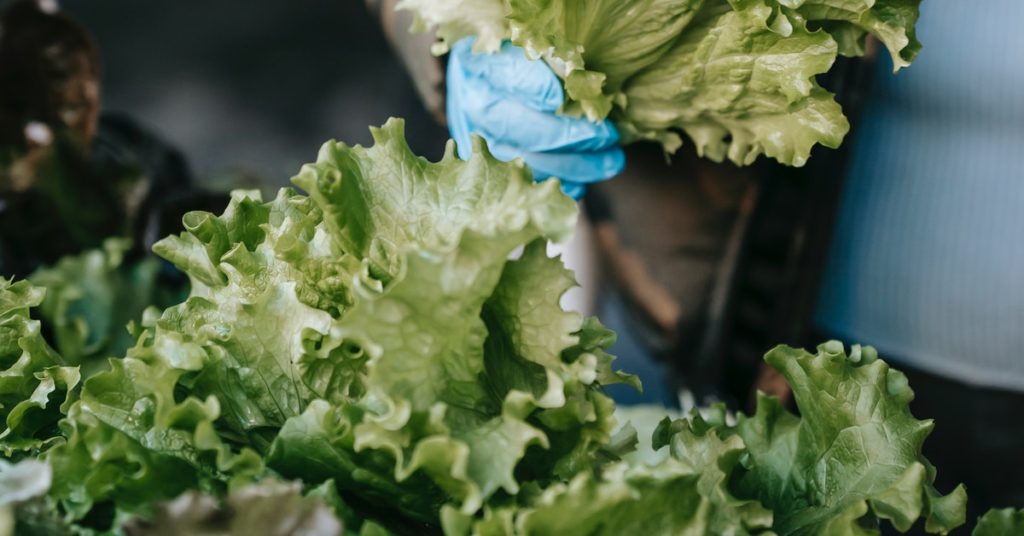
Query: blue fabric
[[631, 356], [512, 102], [928, 258]]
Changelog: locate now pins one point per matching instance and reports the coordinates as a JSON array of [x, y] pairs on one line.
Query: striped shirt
[[927, 262]]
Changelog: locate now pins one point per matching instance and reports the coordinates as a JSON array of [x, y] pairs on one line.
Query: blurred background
[[252, 93]]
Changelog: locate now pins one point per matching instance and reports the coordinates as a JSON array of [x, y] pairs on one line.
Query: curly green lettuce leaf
[[455, 19], [596, 46], [396, 367], [738, 88], [36, 384], [84, 303], [319, 446], [666, 499], [436, 237], [266, 284], [1000, 522], [131, 458], [381, 201], [425, 406], [850, 21], [852, 458], [534, 346], [686, 494], [140, 430], [433, 407], [129, 440], [98, 464], [142, 396], [736, 76], [271, 508]]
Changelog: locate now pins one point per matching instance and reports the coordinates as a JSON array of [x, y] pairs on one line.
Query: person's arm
[[792, 291], [425, 69], [630, 270]]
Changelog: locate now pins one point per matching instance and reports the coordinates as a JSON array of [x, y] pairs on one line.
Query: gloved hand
[[511, 102]]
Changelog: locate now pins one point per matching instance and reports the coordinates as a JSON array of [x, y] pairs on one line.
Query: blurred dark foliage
[[195, 99]]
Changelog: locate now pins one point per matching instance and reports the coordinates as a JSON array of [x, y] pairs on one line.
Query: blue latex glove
[[511, 102]]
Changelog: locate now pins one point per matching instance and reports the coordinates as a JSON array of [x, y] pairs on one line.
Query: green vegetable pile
[[736, 76], [372, 340]]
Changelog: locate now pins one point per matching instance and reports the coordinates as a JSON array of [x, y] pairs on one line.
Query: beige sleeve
[[425, 69]]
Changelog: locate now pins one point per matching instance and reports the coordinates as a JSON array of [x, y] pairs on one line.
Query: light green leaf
[[258, 329], [739, 89], [645, 420], [131, 441], [98, 463], [671, 498], [854, 450], [455, 19], [597, 45], [36, 384], [891, 21], [319, 445], [736, 76], [1000, 522], [381, 201], [459, 346]]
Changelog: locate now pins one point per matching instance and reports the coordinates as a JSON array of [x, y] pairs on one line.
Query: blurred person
[[70, 176], [926, 261], [664, 236]]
